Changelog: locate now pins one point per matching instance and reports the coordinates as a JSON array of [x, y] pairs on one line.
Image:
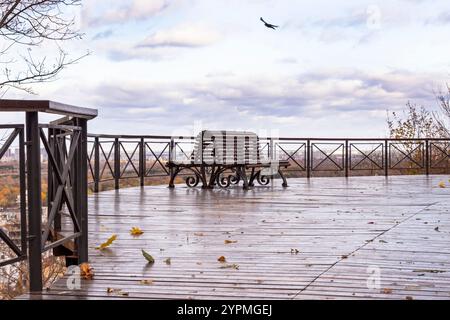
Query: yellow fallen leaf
[[117, 291], [230, 241], [107, 243], [136, 231], [146, 281], [221, 259], [86, 272], [441, 184]]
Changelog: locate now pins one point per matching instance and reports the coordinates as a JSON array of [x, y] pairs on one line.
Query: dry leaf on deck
[[148, 256], [441, 184], [146, 281], [168, 261], [230, 241], [107, 243], [386, 291], [230, 266], [86, 272], [136, 231], [221, 259], [198, 234]]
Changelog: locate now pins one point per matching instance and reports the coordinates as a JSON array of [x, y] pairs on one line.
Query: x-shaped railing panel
[[63, 194], [291, 154], [366, 155], [444, 152], [89, 160], [328, 156], [157, 158], [186, 154], [106, 157], [19, 252], [129, 159], [264, 150], [407, 155]]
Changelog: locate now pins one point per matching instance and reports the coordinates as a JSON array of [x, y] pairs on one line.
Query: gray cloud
[[307, 95], [95, 13], [103, 35], [441, 19]]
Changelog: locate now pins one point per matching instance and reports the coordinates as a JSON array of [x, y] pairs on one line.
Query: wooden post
[[308, 158], [82, 194], [96, 164], [34, 200], [427, 157], [142, 162], [347, 160], [386, 158], [116, 163]]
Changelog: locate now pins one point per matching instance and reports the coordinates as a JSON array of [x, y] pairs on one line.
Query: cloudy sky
[[332, 68]]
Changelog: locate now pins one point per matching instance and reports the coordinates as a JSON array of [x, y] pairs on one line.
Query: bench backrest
[[226, 147]]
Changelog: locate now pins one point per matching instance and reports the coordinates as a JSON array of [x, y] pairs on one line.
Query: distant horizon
[[330, 70]]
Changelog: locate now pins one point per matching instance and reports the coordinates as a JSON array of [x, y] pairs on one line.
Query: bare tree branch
[[25, 24], [442, 117]]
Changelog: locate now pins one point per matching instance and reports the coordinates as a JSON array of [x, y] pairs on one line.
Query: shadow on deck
[[346, 231]]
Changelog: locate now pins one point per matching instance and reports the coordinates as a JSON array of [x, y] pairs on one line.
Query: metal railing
[[113, 158], [65, 144]]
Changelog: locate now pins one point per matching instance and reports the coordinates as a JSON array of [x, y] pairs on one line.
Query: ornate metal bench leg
[[282, 177], [173, 175], [243, 176], [253, 175], [213, 176], [203, 177]]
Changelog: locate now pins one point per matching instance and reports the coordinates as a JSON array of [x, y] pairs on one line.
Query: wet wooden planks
[[343, 229]]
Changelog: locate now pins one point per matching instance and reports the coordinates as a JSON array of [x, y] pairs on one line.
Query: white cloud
[[181, 36]]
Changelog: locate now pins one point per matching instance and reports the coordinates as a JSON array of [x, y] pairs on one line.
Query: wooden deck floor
[[344, 229]]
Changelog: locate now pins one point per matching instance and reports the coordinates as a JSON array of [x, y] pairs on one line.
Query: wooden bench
[[225, 158]]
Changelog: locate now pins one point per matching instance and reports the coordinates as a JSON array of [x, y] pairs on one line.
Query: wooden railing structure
[[65, 142], [78, 160]]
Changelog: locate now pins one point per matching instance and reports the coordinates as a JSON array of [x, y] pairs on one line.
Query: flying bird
[[268, 25]]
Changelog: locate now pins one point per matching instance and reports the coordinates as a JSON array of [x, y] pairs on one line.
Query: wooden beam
[[48, 107]]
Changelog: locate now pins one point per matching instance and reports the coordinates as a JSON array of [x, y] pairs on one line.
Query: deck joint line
[[361, 247]]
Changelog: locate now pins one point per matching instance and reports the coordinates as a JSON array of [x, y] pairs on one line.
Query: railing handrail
[[137, 136]]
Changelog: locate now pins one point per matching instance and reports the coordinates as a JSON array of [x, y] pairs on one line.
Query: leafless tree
[[26, 25], [442, 117], [415, 123]]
